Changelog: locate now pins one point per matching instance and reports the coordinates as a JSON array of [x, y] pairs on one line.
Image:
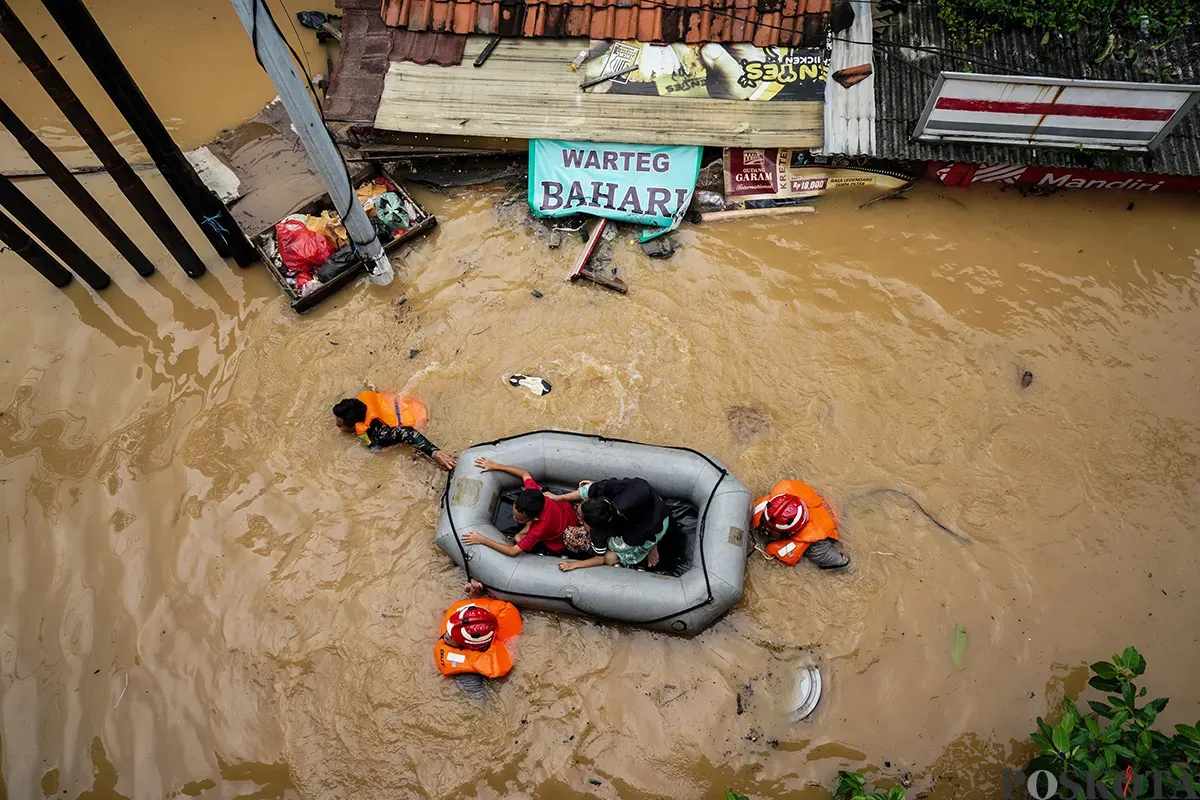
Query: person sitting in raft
[[544, 517], [626, 519], [382, 419], [801, 524], [474, 636]]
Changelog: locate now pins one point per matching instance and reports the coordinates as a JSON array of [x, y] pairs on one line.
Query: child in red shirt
[[542, 518]]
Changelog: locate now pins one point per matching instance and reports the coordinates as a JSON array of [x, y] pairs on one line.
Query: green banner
[[643, 184]]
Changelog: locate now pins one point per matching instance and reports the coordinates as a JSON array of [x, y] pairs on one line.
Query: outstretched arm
[[381, 434], [471, 537], [595, 561], [572, 497], [487, 465]]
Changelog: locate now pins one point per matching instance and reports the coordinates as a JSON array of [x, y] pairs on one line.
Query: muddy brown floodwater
[[209, 591]]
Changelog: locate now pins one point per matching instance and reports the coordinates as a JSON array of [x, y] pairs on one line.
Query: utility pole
[[272, 52], [205, 207]]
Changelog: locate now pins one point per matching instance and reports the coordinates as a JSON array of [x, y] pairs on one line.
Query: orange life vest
[[491, 663], [394, 410], [822, 523]]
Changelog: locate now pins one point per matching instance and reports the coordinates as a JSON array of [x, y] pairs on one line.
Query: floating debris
[[1026, 379], [807, 693], [662, 247], [539, 386], [960, 645]]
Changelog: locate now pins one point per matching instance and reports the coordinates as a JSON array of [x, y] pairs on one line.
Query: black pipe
[[41, 226], [20, 243], [72, 188], [139, 196], [205, 207]]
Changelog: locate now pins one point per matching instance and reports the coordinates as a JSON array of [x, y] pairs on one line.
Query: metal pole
[[139, 196], [72, 188], [20, 243], [205, 207], [272, 52], [44, 228]]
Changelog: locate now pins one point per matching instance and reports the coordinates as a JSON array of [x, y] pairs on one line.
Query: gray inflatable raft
[[708, 579]]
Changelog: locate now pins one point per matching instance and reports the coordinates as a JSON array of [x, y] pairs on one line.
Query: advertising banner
[[966, 174], [720, 71], [778, 174], [643, 184]]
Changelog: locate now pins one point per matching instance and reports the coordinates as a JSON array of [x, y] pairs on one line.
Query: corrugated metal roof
[[368, 46], [906, 77], [528, 90], [762, 22], [850, 111]]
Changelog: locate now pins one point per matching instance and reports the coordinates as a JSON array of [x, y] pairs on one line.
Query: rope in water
[[920, 508]]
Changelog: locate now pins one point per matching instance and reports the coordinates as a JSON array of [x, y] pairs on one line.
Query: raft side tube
[[684, 604]]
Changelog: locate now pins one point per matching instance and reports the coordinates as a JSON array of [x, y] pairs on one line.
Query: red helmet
[[785, 513], [472, 628]]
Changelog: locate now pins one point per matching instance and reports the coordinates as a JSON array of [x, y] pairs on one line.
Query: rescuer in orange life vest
[[800, 524], [474, 639], [382, 419]]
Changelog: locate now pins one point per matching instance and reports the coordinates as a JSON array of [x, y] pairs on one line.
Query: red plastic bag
[[301, 249]]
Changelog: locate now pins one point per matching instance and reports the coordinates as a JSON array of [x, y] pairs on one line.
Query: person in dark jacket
[[626, 518], [381, 420]]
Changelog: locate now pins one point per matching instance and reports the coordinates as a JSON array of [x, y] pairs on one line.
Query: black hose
[[920, 508]]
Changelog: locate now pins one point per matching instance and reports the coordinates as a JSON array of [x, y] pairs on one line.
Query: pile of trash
[[315, 249]]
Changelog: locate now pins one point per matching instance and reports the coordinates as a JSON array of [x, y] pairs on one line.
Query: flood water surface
[[210, 590]]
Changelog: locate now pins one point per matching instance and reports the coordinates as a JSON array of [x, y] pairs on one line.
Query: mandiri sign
[[643, 184]]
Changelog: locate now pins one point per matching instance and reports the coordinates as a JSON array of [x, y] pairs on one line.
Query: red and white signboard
[[1052, 112], [964, 174]]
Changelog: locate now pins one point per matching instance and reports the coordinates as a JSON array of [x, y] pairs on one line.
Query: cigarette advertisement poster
[[720, 71], [642, 184], [778, 173]]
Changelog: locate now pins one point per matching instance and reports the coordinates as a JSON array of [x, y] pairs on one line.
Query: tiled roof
[[368, 46], [761, 22]]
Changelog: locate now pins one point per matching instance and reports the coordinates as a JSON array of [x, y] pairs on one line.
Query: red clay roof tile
[[762, 22], [368, 46]]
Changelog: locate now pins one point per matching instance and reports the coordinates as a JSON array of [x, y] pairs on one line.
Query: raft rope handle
[[700, 537]]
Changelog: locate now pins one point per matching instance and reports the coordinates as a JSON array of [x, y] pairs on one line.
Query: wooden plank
[[743, 213], [529, 91], [588, 249]]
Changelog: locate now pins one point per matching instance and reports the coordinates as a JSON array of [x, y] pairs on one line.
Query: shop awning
[[527, 90]]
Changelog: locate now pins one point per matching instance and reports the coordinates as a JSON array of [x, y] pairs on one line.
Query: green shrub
[[1078, 744], [1115, 23]]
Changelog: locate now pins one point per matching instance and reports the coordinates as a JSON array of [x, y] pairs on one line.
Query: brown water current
[[210, 591]]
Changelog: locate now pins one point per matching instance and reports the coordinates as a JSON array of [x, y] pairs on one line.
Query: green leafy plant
[[1118, 28], [852, 786], [1118, 738]]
